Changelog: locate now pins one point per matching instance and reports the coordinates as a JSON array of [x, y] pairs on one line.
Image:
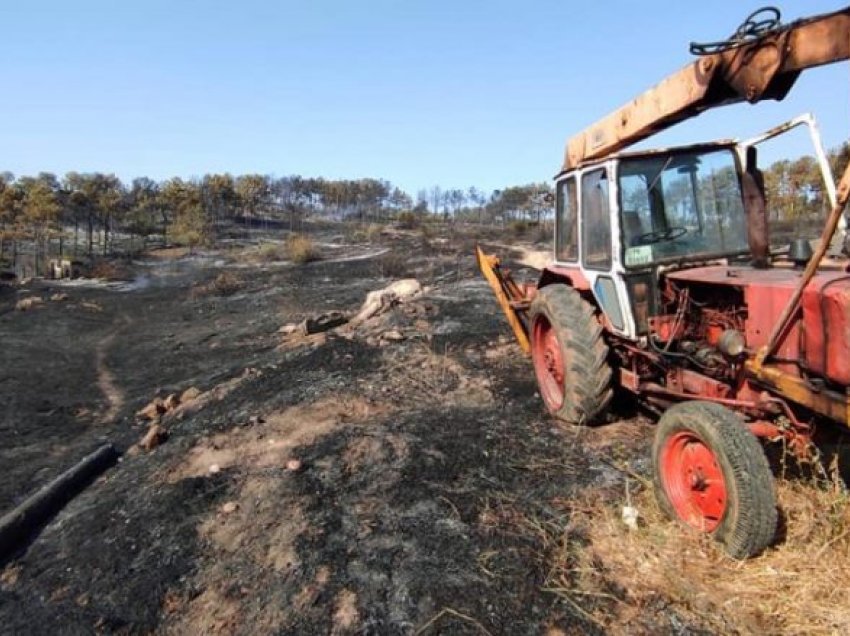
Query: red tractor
[[664, 284]]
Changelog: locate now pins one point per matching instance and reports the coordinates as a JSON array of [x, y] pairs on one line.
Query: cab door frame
[[606, 283]]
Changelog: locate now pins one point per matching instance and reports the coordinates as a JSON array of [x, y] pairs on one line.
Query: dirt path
[[106, 380]]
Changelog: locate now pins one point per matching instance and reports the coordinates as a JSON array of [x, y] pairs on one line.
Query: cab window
[[596, 220], [566, 241]]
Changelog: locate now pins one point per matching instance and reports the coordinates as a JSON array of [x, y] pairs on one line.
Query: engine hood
[[744, 276]]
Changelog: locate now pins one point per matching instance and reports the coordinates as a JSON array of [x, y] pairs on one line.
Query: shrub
[[392, 265], [301, 249], [225, 284], [407, 220]]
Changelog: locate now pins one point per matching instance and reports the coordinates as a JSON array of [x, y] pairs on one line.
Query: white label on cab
[[639, 255]]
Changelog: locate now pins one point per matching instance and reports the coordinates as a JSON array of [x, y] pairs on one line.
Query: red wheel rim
[[693, 481], [548, 362]]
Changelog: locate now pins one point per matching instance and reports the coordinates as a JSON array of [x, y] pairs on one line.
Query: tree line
[[795, 188], [92, 210], [100, 206]]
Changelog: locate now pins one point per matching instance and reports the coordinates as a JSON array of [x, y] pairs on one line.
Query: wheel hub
[[552, 355], [694, 481], [548, 362]]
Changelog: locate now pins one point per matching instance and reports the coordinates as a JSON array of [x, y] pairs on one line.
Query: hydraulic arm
[[765, 67]]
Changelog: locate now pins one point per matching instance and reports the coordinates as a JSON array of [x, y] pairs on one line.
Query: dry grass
[[269, 252], [225, 284], [427, 231], [167, 253], [615, 575], [301, 249], [109, 270], [358, 233], [373, 232]]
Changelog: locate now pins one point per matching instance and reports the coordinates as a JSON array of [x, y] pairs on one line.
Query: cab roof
[[654, 152]]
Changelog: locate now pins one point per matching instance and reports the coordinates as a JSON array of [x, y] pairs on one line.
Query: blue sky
[[453, 93]]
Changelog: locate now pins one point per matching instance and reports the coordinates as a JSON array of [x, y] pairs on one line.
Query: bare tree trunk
[[164, 229], [105, 235]]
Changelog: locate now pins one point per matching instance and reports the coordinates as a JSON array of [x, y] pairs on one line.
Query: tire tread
[[587, 373], [749, 525]]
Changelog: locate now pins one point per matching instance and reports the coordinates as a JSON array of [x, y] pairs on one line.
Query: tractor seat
[[632, 226]]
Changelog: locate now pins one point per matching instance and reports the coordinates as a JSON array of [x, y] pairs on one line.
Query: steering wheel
[[657, 236]]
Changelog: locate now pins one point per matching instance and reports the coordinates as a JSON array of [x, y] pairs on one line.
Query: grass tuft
[[301, 249], [225, 284], [269, 252]]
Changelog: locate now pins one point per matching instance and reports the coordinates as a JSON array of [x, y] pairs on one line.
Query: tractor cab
[[618, 221], [622, 220]]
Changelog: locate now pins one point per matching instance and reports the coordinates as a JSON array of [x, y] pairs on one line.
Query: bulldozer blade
[[511, 297]]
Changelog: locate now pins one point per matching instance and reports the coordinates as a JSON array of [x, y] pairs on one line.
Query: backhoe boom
[[765, 68]]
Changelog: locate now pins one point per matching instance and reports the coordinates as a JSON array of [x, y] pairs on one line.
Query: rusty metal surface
[[826, 319], [811, 268], [571, 274], [830, 404], [744, 276], [764, 304], [663, 151], [764, 69], [798, 441], [682, 380]]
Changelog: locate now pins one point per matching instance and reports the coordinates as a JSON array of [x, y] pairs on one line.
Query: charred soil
[[400, 477]]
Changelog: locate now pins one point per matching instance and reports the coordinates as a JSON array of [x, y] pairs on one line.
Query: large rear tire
[[711, 473], [569, 355]]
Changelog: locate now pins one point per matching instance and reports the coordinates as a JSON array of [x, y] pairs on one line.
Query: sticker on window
[[640, 255]]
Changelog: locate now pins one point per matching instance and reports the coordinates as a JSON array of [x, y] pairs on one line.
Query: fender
[[571, 276]]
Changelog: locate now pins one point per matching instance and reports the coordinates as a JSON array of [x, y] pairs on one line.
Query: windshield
[[686, 205]]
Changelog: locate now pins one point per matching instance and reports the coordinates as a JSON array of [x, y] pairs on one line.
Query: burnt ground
[[427, 483]]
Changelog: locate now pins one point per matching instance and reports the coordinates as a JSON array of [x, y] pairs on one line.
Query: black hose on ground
[[21, 523]]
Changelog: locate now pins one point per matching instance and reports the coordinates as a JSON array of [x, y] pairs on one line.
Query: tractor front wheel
[[569, 355], [710, 472]]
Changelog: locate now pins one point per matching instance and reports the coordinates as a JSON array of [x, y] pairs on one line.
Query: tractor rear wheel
[[711, 473], [569, 355]]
